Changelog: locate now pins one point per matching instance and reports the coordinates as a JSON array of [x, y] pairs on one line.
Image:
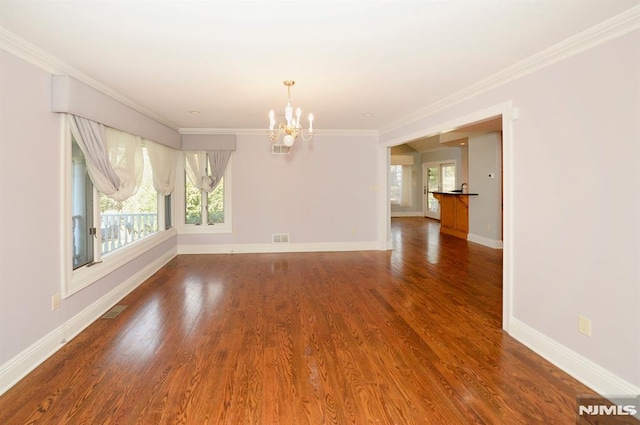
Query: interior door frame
[[508, 113], [425, 195]]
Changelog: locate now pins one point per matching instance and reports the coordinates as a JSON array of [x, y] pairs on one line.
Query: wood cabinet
[[454, 213]]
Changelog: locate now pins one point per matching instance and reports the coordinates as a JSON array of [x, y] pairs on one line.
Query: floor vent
[[113, 313], [280, 149], [280, 238]]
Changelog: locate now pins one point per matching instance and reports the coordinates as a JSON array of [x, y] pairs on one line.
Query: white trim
[[610, 29], [85, 276], [491, 243], [407, 214], [586, 371], [277, 248], [481, 115], [384, 199], [507, 214], [19, 366], [49, 63], [265, 132]]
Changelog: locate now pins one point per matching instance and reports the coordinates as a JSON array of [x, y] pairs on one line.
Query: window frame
[[74, 280], [180, 203]]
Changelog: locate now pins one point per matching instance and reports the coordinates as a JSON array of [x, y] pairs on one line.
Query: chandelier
[[291, 129]]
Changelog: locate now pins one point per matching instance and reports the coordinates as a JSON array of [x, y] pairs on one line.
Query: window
[[396, 184], [81, 209], [205, 211], [122, 223], [401, 180], [202, 204], [103, 234], [168, 220]]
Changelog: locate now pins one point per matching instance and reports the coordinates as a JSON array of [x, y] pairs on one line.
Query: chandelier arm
[[291, 129], [307, 137]]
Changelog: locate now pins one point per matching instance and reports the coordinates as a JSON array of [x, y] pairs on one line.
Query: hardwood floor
[[411, 336]]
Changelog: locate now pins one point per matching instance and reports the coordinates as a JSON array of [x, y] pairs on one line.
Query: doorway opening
[[458, 134]]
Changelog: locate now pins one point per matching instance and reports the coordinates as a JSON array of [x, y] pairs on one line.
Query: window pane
[[82, 209], [448, 177], [167, 212], [396, 184], [215, 204], [124, 222], [193, 203]]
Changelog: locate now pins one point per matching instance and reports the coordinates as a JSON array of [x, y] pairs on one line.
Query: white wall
[[574, 238], [30, 195], [324, 194], [31, 245], [485, 212]]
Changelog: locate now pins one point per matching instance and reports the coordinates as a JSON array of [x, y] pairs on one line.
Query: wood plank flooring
[[409, 336]]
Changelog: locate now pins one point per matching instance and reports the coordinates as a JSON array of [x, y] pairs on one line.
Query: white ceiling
[[227, 59]]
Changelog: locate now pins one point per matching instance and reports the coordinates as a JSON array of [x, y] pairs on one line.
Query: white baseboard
[[491, 243], [18, 367], [407, 214], [584, 370], [278, 247]]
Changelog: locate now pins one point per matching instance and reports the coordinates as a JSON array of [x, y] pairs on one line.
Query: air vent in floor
[[111, 314]]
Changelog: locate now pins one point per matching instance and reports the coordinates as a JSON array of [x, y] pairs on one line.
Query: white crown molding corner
[[610, 29], [49, 63]]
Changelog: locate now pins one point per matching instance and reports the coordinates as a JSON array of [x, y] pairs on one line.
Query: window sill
[[87, 275]]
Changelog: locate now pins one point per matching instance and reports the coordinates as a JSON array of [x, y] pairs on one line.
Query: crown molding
[[610, 29], [49, 63], [265, 131]]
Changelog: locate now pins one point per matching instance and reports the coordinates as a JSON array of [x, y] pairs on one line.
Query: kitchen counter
[[454, 212], [454, 192]]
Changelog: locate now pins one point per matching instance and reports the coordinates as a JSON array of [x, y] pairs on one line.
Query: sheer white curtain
[[114, 158], [406, 199], [197, 170], [218, 161], [92, 139], [125, 155], [164, 162]]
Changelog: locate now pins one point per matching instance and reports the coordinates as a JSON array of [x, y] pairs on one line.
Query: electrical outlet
[[584, 325], [55, 302]]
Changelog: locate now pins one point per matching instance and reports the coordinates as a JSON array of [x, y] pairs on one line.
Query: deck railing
[[120, 229]]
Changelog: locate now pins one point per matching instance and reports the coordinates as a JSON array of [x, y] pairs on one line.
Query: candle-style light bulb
[[298, 115], [288, 112], [272, 119], [310, 123]]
